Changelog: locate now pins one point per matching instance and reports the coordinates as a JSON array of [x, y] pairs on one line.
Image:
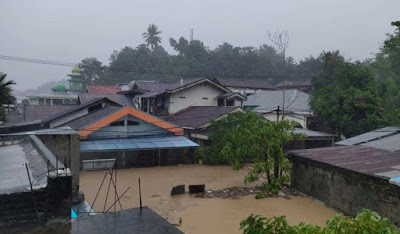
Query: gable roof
[[387, 138], [118, 98], [103, 89], [77, 108], [97, 115], [269, 100], [198, 116], [230, 95], [178, 86], [245, 83], [105, 120]]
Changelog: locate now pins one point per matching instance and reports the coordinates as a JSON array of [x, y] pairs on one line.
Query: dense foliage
[[351, 98], [194, 59], [365, 222], [6, 96], [248, 141]]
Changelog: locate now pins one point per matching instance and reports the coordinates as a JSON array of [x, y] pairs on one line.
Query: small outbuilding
[[349, 178]]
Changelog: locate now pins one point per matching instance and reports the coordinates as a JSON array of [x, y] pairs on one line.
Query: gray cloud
[[72, 30]]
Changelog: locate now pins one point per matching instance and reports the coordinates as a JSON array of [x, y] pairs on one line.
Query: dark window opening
[[118, 123], [205, 98], [132, 123], [230, 102], [96, 107], [182, 97]]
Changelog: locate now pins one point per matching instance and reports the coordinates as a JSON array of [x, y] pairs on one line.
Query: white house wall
[[203, 94]]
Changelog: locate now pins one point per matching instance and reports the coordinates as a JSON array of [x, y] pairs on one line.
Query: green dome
[[76, 69], [76, 72], [59, 88]]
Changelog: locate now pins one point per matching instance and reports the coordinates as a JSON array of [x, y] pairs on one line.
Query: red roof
[[104, 89]]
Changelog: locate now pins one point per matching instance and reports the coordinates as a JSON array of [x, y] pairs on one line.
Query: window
[[182, 97], [205, 98], [132, 123], [117, 123], [230, 103]]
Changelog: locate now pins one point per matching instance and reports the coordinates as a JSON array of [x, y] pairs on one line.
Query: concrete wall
[[67, 148], [21, 210], [194, 96], [345, 190]]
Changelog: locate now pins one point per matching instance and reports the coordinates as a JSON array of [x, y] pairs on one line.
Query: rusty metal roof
[[362, 159]]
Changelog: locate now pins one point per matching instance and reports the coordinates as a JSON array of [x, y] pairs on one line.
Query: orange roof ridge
[[134, 112]]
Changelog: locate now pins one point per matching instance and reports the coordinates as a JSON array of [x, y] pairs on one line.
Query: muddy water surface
[[198, 215]]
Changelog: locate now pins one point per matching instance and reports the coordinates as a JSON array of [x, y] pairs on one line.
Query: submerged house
[[168, 98]]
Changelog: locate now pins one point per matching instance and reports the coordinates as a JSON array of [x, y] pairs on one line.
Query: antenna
[[191, 34]]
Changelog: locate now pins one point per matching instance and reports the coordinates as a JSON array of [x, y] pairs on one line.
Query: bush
[[365, 222]]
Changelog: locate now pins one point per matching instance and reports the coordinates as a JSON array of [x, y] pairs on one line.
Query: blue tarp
[[142, 143]]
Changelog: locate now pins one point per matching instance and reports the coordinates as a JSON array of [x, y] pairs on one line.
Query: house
[[270, 105], [245, 86], [312, 140], [165, 99], [303, 86], [387, 138], [195, 120], [60, 95], [130, 138], [350, 178], [37, 178]]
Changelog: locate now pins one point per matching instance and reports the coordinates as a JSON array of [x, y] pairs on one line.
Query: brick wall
[[345, 190]]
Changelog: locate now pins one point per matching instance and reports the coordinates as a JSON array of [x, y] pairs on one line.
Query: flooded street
[[198, 215]]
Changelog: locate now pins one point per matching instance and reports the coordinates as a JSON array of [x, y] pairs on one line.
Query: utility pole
[[277, 114]]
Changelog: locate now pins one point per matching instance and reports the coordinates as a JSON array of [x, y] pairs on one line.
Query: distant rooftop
[[293, 84], [387, 138], [196, 116], [269, 100], [245, 83], [103, 89]]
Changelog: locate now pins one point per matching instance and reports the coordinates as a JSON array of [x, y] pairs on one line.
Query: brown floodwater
[[198, 215]]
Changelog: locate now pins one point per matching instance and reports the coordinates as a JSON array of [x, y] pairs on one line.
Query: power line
[[143, 71]]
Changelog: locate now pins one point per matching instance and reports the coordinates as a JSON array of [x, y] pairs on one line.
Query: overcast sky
[[72, 30]]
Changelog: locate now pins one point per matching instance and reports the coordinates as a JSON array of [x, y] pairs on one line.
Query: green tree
[[366, 221], [6, 96], [244, 138], [151, 36], [92, 70], [347, 98]]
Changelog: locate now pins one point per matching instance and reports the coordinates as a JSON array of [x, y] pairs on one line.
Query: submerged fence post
[[140, 196]]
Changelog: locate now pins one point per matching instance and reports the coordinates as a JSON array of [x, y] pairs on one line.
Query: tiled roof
[[118, 98], [95, 116], [40, 112], [362, 159], [245, 83], [103, 89], [196, 116], [269, 100]]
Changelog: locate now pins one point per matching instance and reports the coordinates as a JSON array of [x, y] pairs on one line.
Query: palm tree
[[151, 37], [6, 96]]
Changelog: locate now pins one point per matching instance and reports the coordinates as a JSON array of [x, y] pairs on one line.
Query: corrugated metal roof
[[268, 100], [137, 143], [311, 133], [362, 159], [387, 138], [104, 89], [245, 83]]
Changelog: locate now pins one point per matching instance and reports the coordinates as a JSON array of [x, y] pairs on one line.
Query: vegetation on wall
[[365, 222]]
